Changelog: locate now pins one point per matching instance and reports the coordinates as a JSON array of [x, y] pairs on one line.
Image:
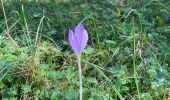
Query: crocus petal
[[72, 41], [78, 36], [79, 29], [84, 40], [78, 43]]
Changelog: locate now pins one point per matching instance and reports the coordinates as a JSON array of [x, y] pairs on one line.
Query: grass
[[134, 62], [127, 56]]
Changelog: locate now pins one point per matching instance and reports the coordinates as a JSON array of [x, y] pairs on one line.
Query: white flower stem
[[80, 77]]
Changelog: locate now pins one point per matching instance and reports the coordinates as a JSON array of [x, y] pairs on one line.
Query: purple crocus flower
[[78, 39]]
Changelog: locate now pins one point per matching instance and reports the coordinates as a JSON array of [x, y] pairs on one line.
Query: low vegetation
[[128, 51]]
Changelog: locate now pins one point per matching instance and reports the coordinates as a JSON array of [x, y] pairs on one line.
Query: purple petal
[[78, 36], [78, 43], [79, 29], [81, 37], [72, 41], [84, 40]]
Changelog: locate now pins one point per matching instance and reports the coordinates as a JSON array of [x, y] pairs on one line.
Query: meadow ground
[[127, 56]]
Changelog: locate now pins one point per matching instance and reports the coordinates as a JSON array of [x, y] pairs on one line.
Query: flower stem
[[80, 77]]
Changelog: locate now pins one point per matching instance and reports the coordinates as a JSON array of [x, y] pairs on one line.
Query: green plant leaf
[[72, 95], [26, 88], [89, 51], [91, 80], [1, 85]]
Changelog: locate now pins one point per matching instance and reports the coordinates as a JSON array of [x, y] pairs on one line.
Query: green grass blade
[[106, 78]]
